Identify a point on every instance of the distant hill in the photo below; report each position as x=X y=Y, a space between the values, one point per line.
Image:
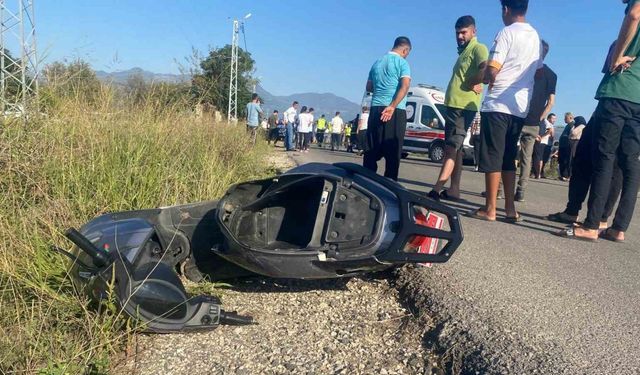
x=326 y=103
x=120 y=77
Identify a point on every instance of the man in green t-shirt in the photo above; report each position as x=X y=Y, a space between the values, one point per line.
x=616 y=124
x=463 y=102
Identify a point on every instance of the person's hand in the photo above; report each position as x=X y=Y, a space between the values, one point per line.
x=478 y=88
x=622 y=64
x=387 y=113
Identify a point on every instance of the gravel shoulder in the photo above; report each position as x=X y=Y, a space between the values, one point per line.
x=350 y=326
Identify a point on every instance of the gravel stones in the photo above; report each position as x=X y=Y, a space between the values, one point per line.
x=346 y=326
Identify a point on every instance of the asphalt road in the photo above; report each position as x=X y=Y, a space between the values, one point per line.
x=515 y=298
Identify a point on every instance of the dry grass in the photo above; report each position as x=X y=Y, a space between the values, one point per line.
x=82 y=159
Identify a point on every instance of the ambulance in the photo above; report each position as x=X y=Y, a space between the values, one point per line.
x=425 y=123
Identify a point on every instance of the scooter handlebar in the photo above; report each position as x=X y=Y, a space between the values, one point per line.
x=100 y=259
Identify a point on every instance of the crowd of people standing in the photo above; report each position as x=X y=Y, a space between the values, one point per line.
x=600 y=158
x=299 y=129
x=512 y=126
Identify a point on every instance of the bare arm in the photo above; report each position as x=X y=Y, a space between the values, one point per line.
x=575 y=132
x=550 y=103
x=490 y=74
x=369 y=87
x=387 y=113
x=405 y=83
x=627 y=32
x=477 y=79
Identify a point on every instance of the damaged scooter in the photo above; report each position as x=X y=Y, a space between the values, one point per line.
x=315 y=221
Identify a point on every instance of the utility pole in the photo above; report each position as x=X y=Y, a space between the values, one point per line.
x=233 y=76
x=18 y=75
x=232 y=112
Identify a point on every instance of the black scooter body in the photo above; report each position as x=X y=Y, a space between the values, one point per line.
x=315 y=221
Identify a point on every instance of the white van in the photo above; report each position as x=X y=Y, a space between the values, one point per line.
x=425 y=123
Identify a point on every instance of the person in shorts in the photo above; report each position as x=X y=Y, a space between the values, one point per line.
x=462 y=100
x=515 y=57
x=540 y=151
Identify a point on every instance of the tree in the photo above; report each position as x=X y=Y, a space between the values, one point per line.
x=211 y=84
x=70 y=80
x=136 y=88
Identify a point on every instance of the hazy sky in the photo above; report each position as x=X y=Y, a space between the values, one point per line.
x=323 y=46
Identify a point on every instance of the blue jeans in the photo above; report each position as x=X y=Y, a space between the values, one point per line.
x=288 y=139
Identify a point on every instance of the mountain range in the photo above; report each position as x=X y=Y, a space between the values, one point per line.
x=323 y=103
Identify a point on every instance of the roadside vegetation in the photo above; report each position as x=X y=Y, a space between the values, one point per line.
x=94 y=148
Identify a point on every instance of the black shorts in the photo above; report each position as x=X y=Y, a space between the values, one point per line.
x=499 y=134
x=457 y=123
x=538 y=152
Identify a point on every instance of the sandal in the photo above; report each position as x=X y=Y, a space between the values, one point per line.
x=513 y=220
x=561 y=217
x=570 y=233
x=475 y=215
x=605 y=235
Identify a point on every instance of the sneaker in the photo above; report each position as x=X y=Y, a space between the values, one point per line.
x=434 y=195
x=519 y=196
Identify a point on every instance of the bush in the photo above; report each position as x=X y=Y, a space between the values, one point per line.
x=84 y=158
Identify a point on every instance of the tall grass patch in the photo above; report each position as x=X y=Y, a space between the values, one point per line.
x=83 y=157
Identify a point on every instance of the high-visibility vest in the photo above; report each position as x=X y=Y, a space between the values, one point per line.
x=322 y=123
x=347 y=130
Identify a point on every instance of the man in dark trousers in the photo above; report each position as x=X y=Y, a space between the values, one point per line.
x=542 y=101
x=616 y=124
x=272 y=128
x=389 y=81
x=581 y=180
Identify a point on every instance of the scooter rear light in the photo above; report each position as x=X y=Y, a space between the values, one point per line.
x=421 y=244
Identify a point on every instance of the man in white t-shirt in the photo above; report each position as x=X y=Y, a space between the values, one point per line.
x=290 y=117
x=305 y=128
x=362 y=130
x=542 y=142
x=337 y=126
x=515 y=57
